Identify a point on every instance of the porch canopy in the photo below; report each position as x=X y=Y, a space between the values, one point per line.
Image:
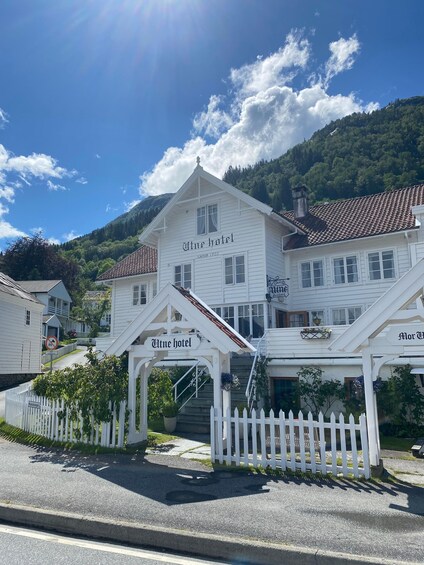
x=175 y=326
x=392 y=329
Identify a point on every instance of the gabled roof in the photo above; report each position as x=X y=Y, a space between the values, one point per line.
x=13 y=288
x=39 y=286
x=364 y=216
x=221 y=335
x=199 y=173
x=140 y=262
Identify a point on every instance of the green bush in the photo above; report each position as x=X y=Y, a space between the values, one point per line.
x=160 y=393
x=87 y=389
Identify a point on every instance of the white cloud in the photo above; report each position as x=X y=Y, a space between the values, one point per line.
x=3 y=118
x=82 y=180
x=70 y=235
x=214 y=121
x=97 y=156
x=55 y=187
x=19 y=170
x=342 y=57
x=53 y=241
x=129 y=205
x=261 y=116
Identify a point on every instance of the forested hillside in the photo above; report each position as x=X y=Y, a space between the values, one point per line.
x=357 y=155
x=102 y=248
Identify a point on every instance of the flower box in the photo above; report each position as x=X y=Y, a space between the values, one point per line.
x=315 y=333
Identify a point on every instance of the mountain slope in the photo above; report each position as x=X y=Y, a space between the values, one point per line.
x=357 y=155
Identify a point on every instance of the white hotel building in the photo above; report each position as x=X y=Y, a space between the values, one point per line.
x=274 y=274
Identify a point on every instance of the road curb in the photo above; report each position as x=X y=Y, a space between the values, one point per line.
x=174 y=540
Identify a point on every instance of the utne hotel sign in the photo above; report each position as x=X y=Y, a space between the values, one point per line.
x=172 y=342
x=211 y=242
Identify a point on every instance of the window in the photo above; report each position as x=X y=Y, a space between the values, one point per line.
x=316 y=318
x=207 y=219
x=228 y=315
x=235 y=270
x=344 y=316
x=381 y=265
x=312 y=274
x=250 y=318
x=139 y=294
x=345 y=270
x=258 y=321
x=28 y=317
x=297 y=319
x=244 y=320
x=182 y=275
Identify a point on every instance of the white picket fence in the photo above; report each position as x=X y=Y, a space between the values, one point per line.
x=50 y=419
x=288 y=443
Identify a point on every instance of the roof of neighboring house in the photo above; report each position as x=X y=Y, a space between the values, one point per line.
x=51 y=317
x=364 y=216
x=213 y=317
x=140 y=262
x=9 y=286
x=39 y=286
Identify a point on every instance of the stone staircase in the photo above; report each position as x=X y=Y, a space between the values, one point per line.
x=195 y=416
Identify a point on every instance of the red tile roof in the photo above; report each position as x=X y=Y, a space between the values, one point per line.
x=376 y=214
x=213 y=317
x=141 y=262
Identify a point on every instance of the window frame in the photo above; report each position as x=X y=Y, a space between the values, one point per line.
x=206 y=208
x=183 y=276
x=344 y=258
x=136 y=294
x=380 y=263
x=311 y=262
x=346 y=313
x=234 y=266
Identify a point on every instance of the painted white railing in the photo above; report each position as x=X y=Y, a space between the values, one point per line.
x=189 y=382
x=251 y=383
x=50 y=419
x=288 y=443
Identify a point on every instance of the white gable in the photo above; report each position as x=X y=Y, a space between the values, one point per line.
x=159 y=317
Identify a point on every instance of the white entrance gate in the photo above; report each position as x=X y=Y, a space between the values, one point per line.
x=175 y=326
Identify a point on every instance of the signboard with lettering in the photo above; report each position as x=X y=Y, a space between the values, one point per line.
x=277 y=286
x=211 y=242
x=172 y=342
x=406 y=335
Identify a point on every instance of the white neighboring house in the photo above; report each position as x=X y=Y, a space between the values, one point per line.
x=273 y=274
x=20 y=333
x=93 y=298
x=57 y=305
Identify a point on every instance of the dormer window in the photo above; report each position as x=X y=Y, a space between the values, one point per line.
x=207 y=219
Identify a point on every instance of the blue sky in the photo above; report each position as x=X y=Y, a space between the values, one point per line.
x=105 y=101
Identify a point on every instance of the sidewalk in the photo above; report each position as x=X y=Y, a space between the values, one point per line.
x=177 y=503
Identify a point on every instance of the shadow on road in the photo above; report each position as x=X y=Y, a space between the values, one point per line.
x=172 y=480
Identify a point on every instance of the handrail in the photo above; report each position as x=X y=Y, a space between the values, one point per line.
x=190 y=384
x=176 y=396
x=251 y=383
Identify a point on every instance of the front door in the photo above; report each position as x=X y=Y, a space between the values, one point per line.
x=285 y=395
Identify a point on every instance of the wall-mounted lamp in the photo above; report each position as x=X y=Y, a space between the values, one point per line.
x=268 y=297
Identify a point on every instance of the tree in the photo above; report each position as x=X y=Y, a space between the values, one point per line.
x=34 y=258
x=317 y=394
x=92 y=311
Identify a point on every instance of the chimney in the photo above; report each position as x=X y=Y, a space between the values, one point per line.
x=300 y=201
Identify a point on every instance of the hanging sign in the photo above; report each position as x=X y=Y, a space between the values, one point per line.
x=406 y=335
x=172 y=342
x=276 y=286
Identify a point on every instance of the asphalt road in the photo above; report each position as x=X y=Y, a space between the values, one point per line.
x=39 y=548
x=365 y=518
